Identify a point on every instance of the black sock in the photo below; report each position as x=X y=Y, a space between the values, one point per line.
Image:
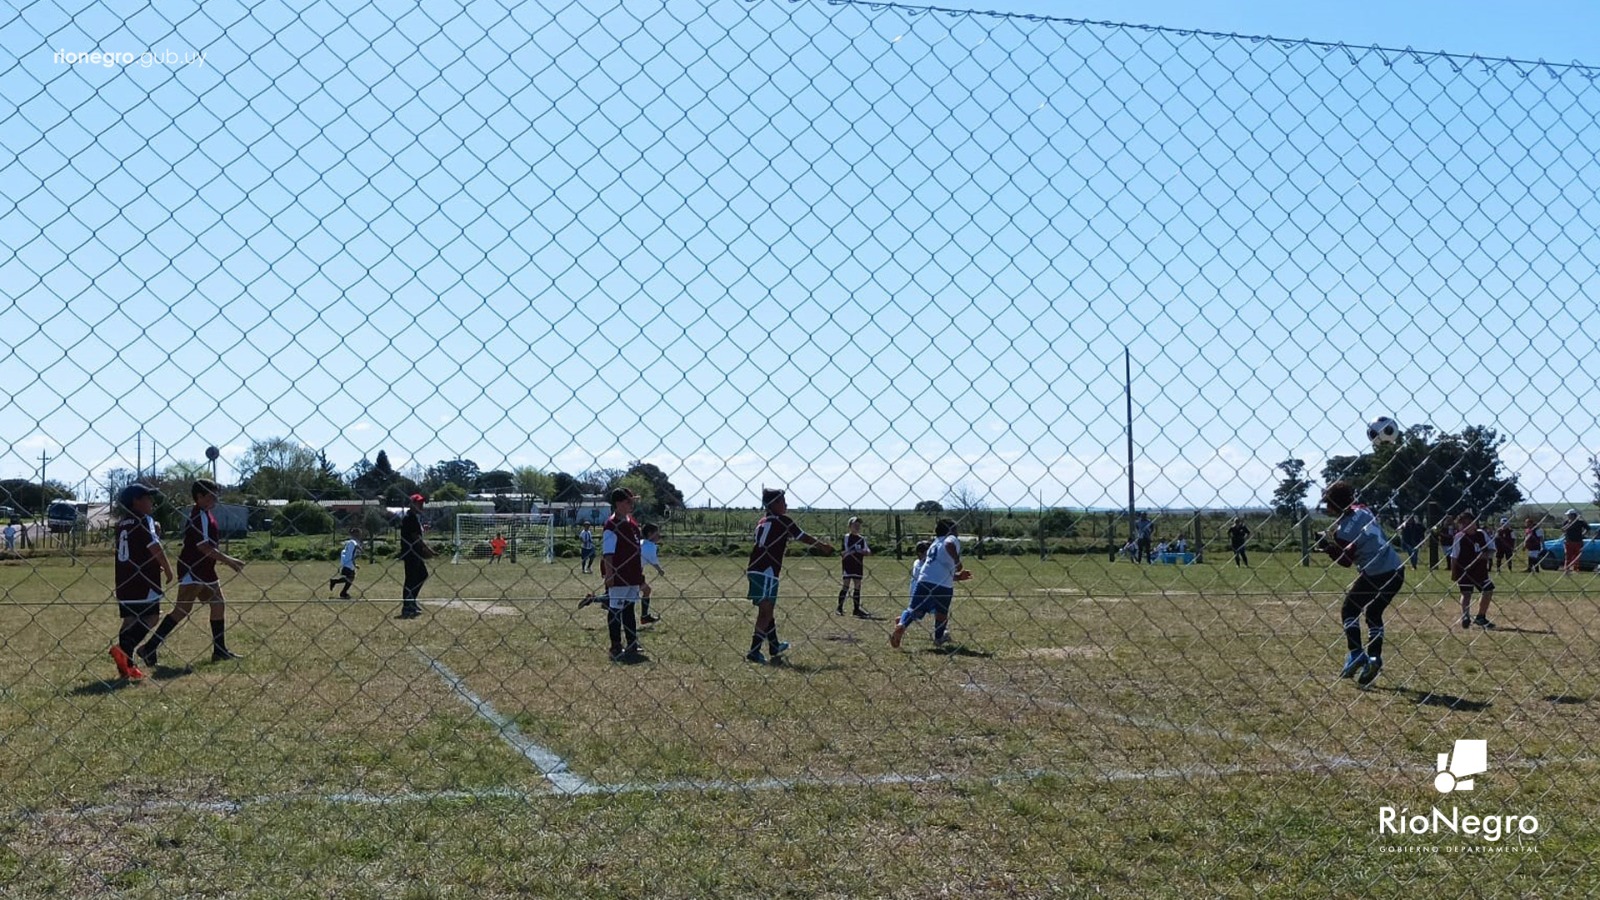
x=630 y=625
x=218 y=642
x=162 y=630
x=132 y=633
x=855 y=599
x=842 y=592
x=644 y=607
x=755 y=642
x=772 y=638
x=614 y=626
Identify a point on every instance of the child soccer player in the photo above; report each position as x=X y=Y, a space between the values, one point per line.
x=773 y=534
x=622 y=567
x=497 y=548
x=853 y=564
x=650 y=554
x=1505 y=545
x=936 y=585
x=1471 y=570
x=197 y=575
x=1533 y=542
x=586 y=549
x=347 y=564
x=1357 y=539
x=141 y=562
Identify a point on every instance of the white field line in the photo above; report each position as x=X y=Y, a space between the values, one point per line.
x=550 y=765
x=714 y=786
x=1332 y=760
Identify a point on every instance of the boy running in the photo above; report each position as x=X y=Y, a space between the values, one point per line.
x=347 y=565
x=773 y=534
x=586 y=549
x=650 y=555
x=1357 y=539
x=853 y=564
x=497 y=548
x=197 y=575
x=1471 y=571
x=141 y=562
x=622 y=568
x=936 y=585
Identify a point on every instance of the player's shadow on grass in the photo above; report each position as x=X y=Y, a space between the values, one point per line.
x=801 y=668
x=959 y=650
x=1565 y=699
x=99 y=688
x=1446 y=701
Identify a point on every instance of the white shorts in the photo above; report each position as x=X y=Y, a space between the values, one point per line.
x=618 y=597
x=190 y=579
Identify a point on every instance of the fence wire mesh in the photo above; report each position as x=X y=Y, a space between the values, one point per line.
x=1116 y=303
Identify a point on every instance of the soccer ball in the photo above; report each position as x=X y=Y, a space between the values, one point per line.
x=1383 y=430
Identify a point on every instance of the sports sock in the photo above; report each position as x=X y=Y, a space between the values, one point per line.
x=614 y=627
x=218 y=640
x=630 y=625
x=1352 y=634
x=755 y=642
x=644 y=607
x=132 y=633
x=855 y=598
x=940 y=628
x=772 y=638
x=1375 y=642
x=162 y=630
x=842 y=592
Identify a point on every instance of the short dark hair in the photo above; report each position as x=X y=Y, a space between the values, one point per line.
x=922 y=547
x=204 y=486
x=620 y=494
x=651 y=528
x=770 y=496
x=944 y=527
x=1340 y=494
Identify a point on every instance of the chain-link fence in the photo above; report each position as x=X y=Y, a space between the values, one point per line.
x=1115 y=304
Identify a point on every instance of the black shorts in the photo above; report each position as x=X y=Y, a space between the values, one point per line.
x=1468 y=584
x=347 y=572
x=857 y=572
x=133 y=609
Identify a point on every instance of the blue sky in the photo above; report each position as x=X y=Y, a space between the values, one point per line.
x=863 y=252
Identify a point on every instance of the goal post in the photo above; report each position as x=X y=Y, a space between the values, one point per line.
x=524 y=533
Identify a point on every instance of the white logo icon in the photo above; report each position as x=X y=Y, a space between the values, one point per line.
x=1470 y=758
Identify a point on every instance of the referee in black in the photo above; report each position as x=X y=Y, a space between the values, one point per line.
x=413 y=551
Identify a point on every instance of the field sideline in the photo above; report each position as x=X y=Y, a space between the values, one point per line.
x=1098 y=727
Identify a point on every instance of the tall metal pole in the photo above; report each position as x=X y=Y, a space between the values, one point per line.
x=1127 y=384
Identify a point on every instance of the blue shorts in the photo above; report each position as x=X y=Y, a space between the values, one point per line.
x=763 y=587
x=927 y=597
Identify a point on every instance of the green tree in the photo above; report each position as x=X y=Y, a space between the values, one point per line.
x=1289 y=500
x=449 y=492
x=449 y=471
x=1427 y=468
x=532 y=481
x=302 y=517
x=928 y=506
x=30 y=498
x=496 y=481
x=665 y=496
x=280 y=469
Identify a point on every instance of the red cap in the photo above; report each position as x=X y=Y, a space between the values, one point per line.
x=418 y=498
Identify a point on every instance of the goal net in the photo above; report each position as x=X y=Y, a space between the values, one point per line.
x=525 y=534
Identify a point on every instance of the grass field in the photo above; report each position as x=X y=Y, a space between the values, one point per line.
x=1099 y=729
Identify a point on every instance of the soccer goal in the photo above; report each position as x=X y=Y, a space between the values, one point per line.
x=523 y=533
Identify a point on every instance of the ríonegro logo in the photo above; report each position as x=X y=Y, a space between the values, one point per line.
x=1455 y=771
